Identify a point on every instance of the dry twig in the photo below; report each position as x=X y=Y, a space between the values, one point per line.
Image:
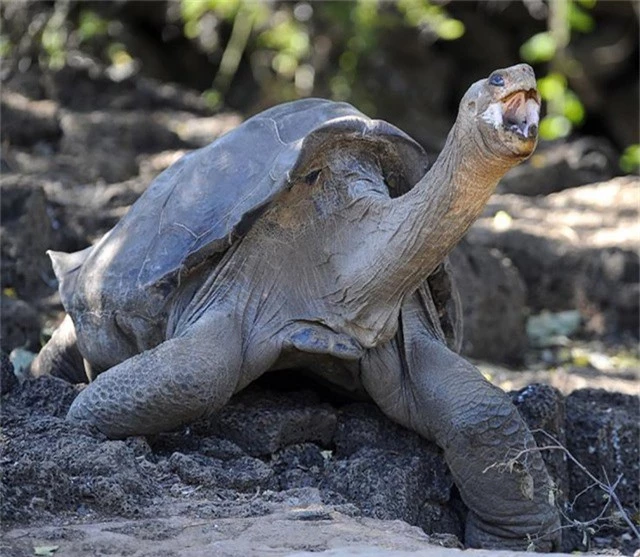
x=606 y=486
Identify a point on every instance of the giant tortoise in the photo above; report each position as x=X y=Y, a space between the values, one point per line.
x=312 y=237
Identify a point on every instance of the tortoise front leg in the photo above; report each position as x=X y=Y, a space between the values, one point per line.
x=60 y=357
x=418 y=382
x=180 y=380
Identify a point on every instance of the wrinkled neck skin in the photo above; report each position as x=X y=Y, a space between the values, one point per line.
x=433 y=217
x=416 y=231
x=345 y=256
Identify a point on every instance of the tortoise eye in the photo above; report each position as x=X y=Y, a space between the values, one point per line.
x=497 y=80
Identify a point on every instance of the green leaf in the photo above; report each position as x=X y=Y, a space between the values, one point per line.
x=552 y=86
x=192 y=29
x=366 y=13
x=289 y=36
x=5 y=46
x=340 y=88
x=53 y=39
x=580 y=20
x=213 y=98
x=630 y=159
x=285 y=64
x=539 y=48
x=417 y=12
x=554 y=127
x=10 y=292
x=226 y=8
x=118 y=54
x=573 y=108
x=348 y=61
x=192 y=10
x=450 y=29
x=91 y=25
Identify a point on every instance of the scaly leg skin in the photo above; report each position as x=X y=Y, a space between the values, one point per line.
x=180 y=380
x=418 y=382
x=60 y=356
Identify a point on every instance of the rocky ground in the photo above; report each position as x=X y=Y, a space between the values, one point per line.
x=549 y=277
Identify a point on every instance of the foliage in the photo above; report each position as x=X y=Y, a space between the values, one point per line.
x=287 y=45
x=283 y=35
x=418 y=13
x=564 y=108
x=630 y=160
x=277 y=37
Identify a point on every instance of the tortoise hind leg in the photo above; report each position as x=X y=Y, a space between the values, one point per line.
x=420 y=383
x=180 y=380
x=60 y=357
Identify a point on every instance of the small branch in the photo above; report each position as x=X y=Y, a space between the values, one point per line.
x=240 y=33
x=585 y=490
x=607 y=487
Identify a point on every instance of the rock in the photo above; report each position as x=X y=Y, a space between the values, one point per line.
x=607 y=289
x=363 y=425
x=388 y=484
x=219 y=448
x=121 y=134
x=369 y=465
x=389 y=471
x=195 y=439
x=559 y=165
x=8 y=380
x=444 y=522
x=244 y=473
x=45 y=395
x=551 y=329
x=26 y=233
x=262 y=423
x=603 y=434
x=543 y=408
x=299 y=466
x=20 y=325
x=493 y=299
x=56 y=467
x=83 y=85
x=26 y=122
x=277 y=533
x=21 y=360
x=575 y=249
x=27 y=83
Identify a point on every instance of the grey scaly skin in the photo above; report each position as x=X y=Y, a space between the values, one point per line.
x=312 y=236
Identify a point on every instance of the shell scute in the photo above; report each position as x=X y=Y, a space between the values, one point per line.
x=200 y=205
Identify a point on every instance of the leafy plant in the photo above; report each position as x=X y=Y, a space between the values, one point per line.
x=423 y=13
x=630 y=159
x=564 y=108
x=278 y=39
x=288 y=44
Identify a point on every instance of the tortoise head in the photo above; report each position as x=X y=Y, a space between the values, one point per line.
x=503 y=111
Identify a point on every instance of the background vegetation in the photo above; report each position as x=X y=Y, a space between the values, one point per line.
x=411 y=56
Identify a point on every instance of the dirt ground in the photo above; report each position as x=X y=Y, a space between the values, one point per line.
x=295 y=532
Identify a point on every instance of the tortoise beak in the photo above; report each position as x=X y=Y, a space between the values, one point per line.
x=521 y=113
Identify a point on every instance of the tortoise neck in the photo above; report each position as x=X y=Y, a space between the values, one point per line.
x=431 y=219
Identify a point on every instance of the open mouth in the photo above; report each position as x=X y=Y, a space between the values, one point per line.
x=521 y=113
